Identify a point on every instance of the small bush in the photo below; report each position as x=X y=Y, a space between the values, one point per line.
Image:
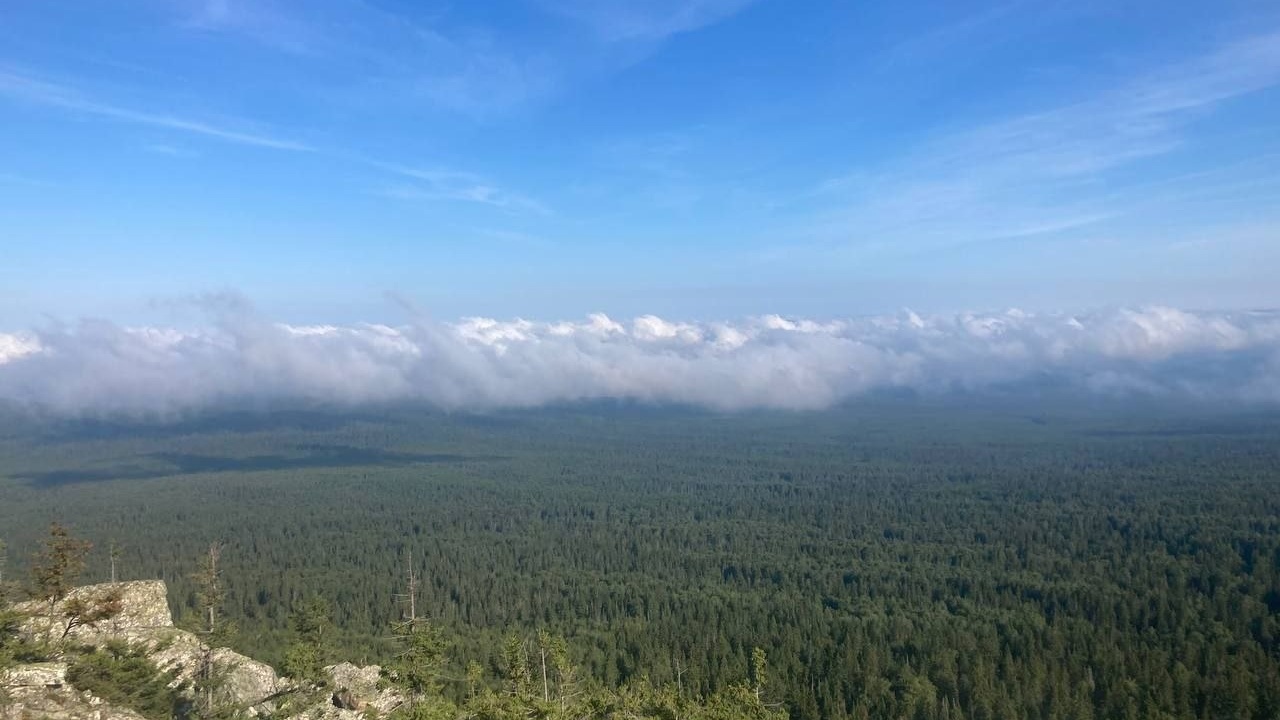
x=123 y=676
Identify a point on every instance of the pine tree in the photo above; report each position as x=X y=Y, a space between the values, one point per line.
x=421 y=657
x=57 y=565
x=54 y=572
x=475 y=679
x=306 y=656
x=516 y=664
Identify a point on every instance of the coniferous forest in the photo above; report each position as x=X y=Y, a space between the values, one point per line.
x=896 y=558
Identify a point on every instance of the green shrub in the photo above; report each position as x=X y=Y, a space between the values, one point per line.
x=124 y=676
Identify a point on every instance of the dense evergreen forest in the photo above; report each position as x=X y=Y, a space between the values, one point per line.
x=898 y=558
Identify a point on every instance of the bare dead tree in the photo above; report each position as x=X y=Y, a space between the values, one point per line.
x=410 y=597
x=210 y=595
x=113 y=551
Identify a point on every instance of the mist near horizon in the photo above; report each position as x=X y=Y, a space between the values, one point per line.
x=238 y=357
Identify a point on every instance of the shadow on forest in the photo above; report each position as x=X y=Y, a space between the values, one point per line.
x=238 y=421
x=326 y=456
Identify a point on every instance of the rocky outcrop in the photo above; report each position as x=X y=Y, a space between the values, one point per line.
x=245 y=682
x=144 y=604
x=144 y=607
x=37 y=675
x=40 y=690
x=356 y=691
x=144 y=621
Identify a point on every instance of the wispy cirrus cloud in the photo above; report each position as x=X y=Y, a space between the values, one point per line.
x=370 y=56
x=435 y=184
x=27 y=88
x=441 y=184
x=7 y=178
x=174 y=151
x=264 y=21
x=473 y=73
x=480 y=72
x=373 y=55
x=927 y=45
x=1044 y=171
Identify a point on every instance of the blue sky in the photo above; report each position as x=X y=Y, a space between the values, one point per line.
x=721 y=158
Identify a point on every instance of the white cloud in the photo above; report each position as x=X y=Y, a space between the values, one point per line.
x=770 y=362
x=653 y=328
x=15 y=346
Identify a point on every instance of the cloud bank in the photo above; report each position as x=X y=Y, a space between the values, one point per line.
x=99 y=367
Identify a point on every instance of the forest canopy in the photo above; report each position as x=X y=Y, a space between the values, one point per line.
x=898 y=558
